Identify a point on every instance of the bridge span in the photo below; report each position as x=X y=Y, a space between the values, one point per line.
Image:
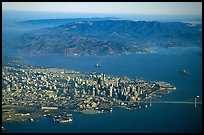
x=194 y=101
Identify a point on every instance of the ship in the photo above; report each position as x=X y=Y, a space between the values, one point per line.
x=31 y=119
x=184 y=72
x=97 y=65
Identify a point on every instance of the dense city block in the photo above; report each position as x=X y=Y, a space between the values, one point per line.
x=30 y=92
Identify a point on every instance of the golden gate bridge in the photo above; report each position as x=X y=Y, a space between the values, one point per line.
x=41 y=54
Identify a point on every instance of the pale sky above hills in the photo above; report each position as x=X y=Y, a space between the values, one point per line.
x=163 y=8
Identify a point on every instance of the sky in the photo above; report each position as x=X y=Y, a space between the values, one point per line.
x=160 y=8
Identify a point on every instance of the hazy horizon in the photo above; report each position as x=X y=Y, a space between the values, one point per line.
x=10 y=16
x=153 y=8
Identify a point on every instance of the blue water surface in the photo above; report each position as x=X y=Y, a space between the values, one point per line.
x=164 y=65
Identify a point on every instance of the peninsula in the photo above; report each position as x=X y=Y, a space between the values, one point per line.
x=33 y=92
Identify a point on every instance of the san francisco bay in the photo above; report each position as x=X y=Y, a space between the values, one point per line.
x=164 y=65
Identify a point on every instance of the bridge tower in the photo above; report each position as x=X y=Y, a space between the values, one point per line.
x=150 y=101
x=195 y=102
x=195 y=99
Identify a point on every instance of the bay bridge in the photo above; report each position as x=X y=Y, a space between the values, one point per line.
x=153 y=100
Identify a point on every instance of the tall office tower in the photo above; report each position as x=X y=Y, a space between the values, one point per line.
x=89 y=92
x=17 y=89
x=98 y=92
x=111 y=91
x=75 y=84
x=141 y=91
x=75 y=92
x=99 y=86
x=133 y=99
x=79 y=81
x=104 y=93
x=138 y=89
x=83 y=92
x=42 y=78
x=133 y=89
x=117 y=82
x=99 y=80
x=114 y=90
x=94 y=93
x=136 y=94
x=128 y=89
x=104 y=77
x=122 y=92
x=46 y=84
x=87 y=82
x=75 y=78
x=8 y=88
x=116 y=95
x=64 y=91
x=68 y=78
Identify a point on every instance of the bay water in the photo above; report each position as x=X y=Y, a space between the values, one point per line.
x=164 y=65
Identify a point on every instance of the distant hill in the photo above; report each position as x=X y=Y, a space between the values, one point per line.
x=56 y=22
x=108 y=37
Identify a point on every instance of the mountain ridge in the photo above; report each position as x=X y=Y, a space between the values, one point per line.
x=110 y=37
